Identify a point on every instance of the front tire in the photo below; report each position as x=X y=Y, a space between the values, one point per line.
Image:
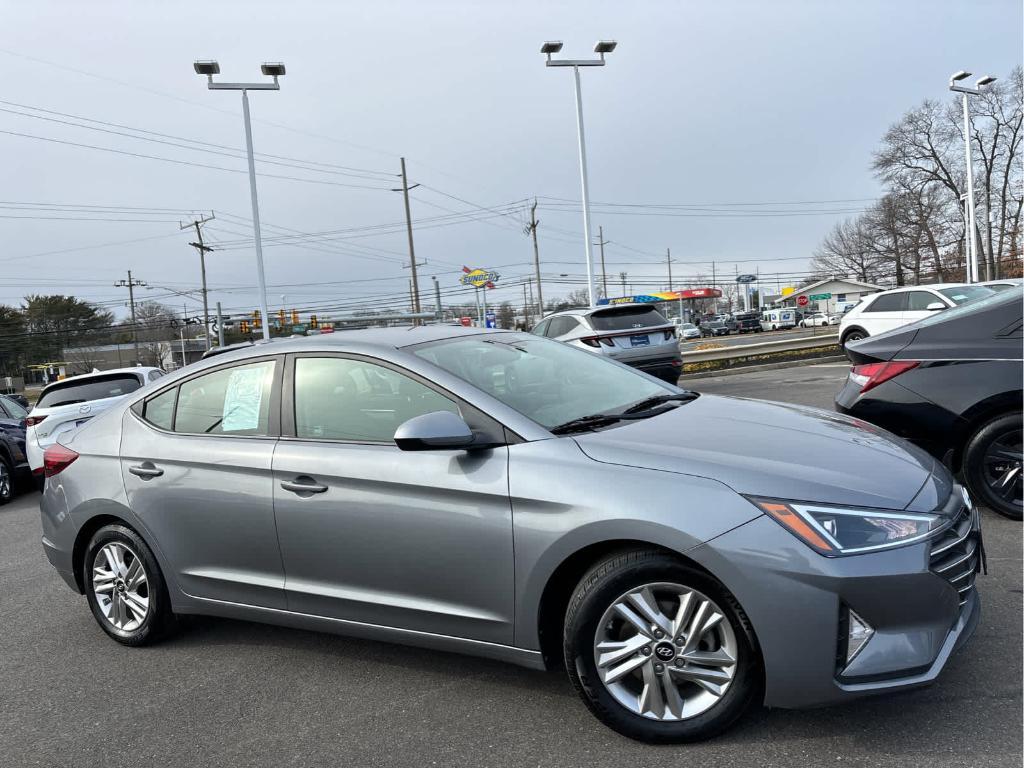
x=657 y=650
x=992 y=465
x=125 y=588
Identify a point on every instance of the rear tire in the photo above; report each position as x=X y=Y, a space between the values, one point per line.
x=992 y=465
x=125 y=588
x=6 y=481
x=640 y=703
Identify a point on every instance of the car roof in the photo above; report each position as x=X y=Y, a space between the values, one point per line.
x=931 y=286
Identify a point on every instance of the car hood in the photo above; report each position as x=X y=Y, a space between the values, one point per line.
x=764 y=448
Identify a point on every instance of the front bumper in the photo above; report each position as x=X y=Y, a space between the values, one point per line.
x=795 y=600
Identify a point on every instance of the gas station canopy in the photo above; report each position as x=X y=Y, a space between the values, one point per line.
x=649 y=298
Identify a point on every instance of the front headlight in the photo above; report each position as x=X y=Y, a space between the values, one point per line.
x=836 y=531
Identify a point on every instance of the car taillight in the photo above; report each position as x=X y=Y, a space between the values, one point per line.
x=56 y=459
x=871 y=375
x=597 y=341
x=31 y=421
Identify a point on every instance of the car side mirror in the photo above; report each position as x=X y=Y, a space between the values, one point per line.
x=935 y=306
x=436 y=431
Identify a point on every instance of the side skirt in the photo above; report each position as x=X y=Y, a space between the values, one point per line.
x=507 y=653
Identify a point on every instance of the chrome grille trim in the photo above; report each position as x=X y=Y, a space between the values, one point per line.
x=955 y=552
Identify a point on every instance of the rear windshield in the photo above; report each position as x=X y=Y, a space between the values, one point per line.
x=93 y=388
x=626 y=318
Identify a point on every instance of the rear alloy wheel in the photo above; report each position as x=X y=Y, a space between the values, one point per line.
x=125 y=588
x=657 y=650
x=6 y=481
x=993 y=465
x=854 y=336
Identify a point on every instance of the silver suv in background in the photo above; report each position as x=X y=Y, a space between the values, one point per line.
x=634 y=334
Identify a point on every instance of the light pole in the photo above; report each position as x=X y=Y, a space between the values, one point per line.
x=601 y=48
x=274 y=70
x=954 y=85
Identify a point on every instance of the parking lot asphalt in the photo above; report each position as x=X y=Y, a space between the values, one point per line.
x=228 y=693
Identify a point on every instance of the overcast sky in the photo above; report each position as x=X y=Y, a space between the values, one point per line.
x=707 y=104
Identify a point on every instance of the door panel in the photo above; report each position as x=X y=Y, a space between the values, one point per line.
x=415 y=540
x=211 y=510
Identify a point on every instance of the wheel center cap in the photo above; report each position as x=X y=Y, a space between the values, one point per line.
x=665 y=651
x=120 y=586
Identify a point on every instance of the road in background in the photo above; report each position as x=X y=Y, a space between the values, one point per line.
x=756 y=338
x=229 y=693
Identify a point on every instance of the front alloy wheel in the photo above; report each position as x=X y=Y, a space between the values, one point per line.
x=665 y=652
x=659 y=650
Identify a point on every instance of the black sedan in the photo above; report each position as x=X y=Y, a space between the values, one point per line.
x=951 y=383
x=714 y=328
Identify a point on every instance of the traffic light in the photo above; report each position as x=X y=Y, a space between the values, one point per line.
x=295 y=317
x=313 y=322
x=280 y=318
x=243 y=326
x=257 y=319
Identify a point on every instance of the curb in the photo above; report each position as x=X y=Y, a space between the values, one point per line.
x=763 y=367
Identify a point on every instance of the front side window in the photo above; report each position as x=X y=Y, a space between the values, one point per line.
x=548 y=382
x=231 y=401
x=918 y=301
x=14 y=409
x=354 y=400
x=888 y=302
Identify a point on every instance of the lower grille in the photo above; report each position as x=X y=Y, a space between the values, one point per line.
x=956 y=554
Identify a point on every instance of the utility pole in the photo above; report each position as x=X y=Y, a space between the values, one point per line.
x=529 y=290
x=437 y=299
x=526 y=309
x=203 y=250
x=412 y=251
x=668 y=260
x=220 y=326
x=130 y=284
x=622 y=277
x=531 y=229
x=601 y=242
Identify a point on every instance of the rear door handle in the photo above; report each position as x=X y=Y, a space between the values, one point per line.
x=303 y=485
x=146 y=470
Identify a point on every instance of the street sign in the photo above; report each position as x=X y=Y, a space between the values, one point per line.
x=490 y=320
x=466 y=321
x=802 y=301
x=820 y=296
x=746 y=278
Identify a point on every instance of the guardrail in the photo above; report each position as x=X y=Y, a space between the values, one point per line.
x=738 y=352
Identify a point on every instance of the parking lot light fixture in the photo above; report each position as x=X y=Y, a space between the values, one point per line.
x=273 y=70
x=601 y=48
x=965 y=91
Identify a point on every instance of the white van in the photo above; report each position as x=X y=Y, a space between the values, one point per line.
x=778 y=319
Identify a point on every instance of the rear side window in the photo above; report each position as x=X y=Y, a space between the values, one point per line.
x=93 y=388
x=888 y=302
x=154 y=375
x=561 y=325
x=542 y=328
x=626 y=319
x=159 y=410
x=14 y=410
x=231 y=401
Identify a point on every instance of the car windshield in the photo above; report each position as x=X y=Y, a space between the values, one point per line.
x=965 y=310
x=962 y=294
x=546 y=381
x=688 y=326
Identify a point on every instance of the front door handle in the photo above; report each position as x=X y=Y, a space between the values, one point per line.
x=146 y=470
x=303 y=485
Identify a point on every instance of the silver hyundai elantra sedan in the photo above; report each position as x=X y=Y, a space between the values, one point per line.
x=679 y=555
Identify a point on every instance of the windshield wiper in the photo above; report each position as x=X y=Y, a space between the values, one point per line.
x=643 y=405
x=585 y=422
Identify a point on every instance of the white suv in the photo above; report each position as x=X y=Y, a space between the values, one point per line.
x=66 y=405
x=881 y=312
